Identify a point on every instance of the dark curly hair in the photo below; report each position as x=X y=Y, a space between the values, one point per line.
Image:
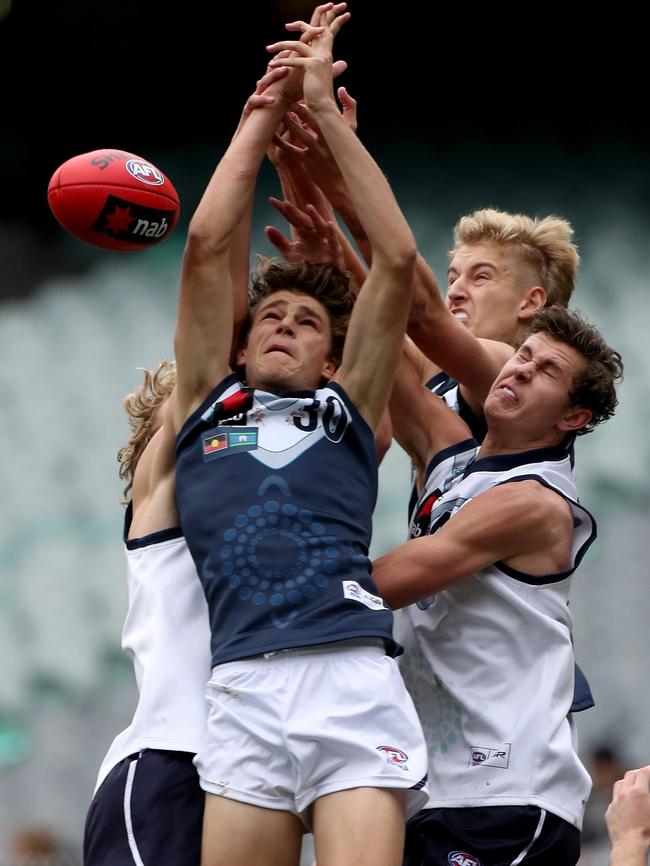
x=325 y=283
x=595 y=388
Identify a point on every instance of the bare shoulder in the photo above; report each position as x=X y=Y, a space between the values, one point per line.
x=154 y=503
x=529 y=500
x=500 y=352
x=526 y=525
x=527 y=512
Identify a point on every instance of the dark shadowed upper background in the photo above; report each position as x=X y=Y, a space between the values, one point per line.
x=150 y=77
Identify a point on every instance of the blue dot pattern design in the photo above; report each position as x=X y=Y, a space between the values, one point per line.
x=309 y=557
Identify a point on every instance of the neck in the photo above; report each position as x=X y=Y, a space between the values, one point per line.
x=503 y=442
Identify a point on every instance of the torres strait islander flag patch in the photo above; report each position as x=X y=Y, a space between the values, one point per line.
x=228 y=440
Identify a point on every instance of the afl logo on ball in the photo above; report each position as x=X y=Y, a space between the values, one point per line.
x=144 y=172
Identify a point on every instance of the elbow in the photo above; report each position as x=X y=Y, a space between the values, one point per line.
x=404 y=257
x=203 y=242
x=398 y=260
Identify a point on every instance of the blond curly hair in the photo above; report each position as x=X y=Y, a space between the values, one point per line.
x=141 y=406
x=544 y=244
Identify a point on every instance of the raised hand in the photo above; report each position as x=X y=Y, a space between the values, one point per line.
x=260 y=99
x=304 y=141
x=313 y=53
x=315 y=238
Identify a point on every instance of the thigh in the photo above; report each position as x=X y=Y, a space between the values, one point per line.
x=240 y=834
x=244 y=755
x=352 y=724
x=364 y=826
x=148 y=811
x=490 y=836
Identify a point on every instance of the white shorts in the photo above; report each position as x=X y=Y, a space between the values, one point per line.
x=289 y=727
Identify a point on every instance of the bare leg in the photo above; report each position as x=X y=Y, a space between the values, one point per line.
x=238 y=834
x=360 y=827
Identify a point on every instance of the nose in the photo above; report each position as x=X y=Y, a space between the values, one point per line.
x=524 y=370
x=457 y=291
x=286 y=326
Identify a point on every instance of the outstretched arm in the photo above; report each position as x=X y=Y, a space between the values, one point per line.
x=523 y=524
x=206 y=306
x=302 y=159
x=240 y=245
x=379 y=317
x=444 y=342
x=423 y=424
x=312 y=155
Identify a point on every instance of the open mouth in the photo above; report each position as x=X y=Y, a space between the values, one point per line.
x=460 y=314
x=277 y=348
x=509 y=393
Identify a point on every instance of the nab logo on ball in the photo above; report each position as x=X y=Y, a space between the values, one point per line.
x=145 y=172
x=126 y=221
x=113 y=200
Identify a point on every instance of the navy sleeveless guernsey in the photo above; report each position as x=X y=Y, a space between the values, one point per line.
x=276 y=495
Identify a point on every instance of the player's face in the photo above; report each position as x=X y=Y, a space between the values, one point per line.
x=530 y=398
x=288 y=346
x=483 y=291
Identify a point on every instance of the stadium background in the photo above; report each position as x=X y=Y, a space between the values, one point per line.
x=462 y=109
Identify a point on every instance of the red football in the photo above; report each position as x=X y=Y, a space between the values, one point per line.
x=113 y=200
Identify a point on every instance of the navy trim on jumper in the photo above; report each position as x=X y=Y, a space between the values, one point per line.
x=436 y=380
x=504 y=462
x=542 y=579
x=147 y=540
x=449 y=451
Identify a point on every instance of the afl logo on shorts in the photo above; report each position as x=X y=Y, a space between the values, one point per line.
x=460 y=858
x=478 y=757
x=144 y=172
x=394 y=757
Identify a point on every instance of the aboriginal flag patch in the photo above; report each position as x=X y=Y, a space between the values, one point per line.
x=228 y=440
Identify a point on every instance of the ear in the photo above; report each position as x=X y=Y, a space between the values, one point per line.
x=532 y=301
x=240 y=357
x=329 y=368
x=574 y=419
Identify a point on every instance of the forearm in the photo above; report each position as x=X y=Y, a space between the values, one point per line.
x=402 y=575
x=630 y=851
x=448 y=343
x=232 y=185
x=378 y=212
x=210 y=299
x=428 y=303
x=340 y=200
x=353 y=264
x=239 y=270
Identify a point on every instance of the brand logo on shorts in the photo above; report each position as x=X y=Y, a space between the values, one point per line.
x=394 y=757
x=497 y=756
x=460 y=858
x=145 y=172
